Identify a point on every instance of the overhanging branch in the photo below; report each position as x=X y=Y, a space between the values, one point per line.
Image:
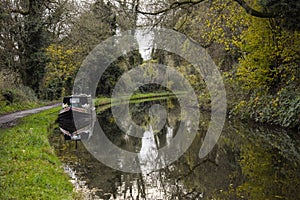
x=22 y=12
x=172 y=6
x=253 y=12
x=242 y=3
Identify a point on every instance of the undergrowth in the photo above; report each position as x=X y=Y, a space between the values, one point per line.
x=18 y=98
x=282 y=108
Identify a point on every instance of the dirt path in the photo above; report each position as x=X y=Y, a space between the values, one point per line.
x=10 y=119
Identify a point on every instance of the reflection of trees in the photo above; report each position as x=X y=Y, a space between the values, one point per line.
x=246 y=164
x=268 y=170
x=252 y=164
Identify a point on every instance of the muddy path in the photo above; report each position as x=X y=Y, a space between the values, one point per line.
x=10 y=120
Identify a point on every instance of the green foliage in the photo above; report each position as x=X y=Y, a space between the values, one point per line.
x=282 y=109
x=9 y=79
x=29 y=166
x=95 y=23
x=267 y=74
x=265 y=60
x=115 y=70
x=270 y=55
x=13 y=95
x=60 y=72
x=35 y=38
x=17 y=98
x=103 y=103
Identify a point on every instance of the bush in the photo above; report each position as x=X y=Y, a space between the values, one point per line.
x=282 y=108
x=18 y=95
x=17 y=98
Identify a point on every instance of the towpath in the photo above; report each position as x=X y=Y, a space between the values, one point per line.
x=9 y=120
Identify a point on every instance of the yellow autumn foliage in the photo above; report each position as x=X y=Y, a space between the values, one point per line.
x=60 y=71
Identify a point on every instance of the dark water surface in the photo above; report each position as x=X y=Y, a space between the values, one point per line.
x=248 y=162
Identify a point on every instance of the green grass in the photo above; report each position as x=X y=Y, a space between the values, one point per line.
x=26 y=105
x=9 y=108
x=29 y=168
x=104 y=103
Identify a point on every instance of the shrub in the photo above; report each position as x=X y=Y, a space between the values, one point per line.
x=282 y=108
x=17 y=98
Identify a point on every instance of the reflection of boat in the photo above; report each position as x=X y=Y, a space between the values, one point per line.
x=76 y=116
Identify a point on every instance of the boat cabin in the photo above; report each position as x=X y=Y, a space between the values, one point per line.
x=79 y=101
x=79 y=108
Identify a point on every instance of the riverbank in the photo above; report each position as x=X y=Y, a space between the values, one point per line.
x=103 y=103
x=29 y=167
x=279 y=109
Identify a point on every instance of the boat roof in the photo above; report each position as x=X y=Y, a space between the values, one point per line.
x=78 y=95
x=83 y=98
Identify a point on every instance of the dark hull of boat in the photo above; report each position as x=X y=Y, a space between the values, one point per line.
x=66 y=119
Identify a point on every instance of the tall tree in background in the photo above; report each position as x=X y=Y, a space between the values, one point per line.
x=93 y=24
x=27 y=28
x=35 y=38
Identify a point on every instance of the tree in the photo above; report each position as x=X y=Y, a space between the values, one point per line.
x=9 y=28
x=94 y=23
x=27 y=28
x=127 y=16
x=34 y=39
x=59 y=72
x=270 y=56
x=272 y=8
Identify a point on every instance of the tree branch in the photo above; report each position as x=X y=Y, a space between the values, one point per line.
x=172 y=6
x=242 y=3
x=255 y=13
x=22 y=12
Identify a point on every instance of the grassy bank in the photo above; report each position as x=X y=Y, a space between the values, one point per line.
x=103 y=103
x=16 y=98
x=9 y=108
x=29 y=169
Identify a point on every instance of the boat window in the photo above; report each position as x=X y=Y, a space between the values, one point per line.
x=75 y=102
x=83 y=100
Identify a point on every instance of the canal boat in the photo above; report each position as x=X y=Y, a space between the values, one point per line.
x=76 y=116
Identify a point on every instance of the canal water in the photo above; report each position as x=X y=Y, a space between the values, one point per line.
x=250 y=161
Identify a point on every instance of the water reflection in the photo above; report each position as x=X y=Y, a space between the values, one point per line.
x=249 y=162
